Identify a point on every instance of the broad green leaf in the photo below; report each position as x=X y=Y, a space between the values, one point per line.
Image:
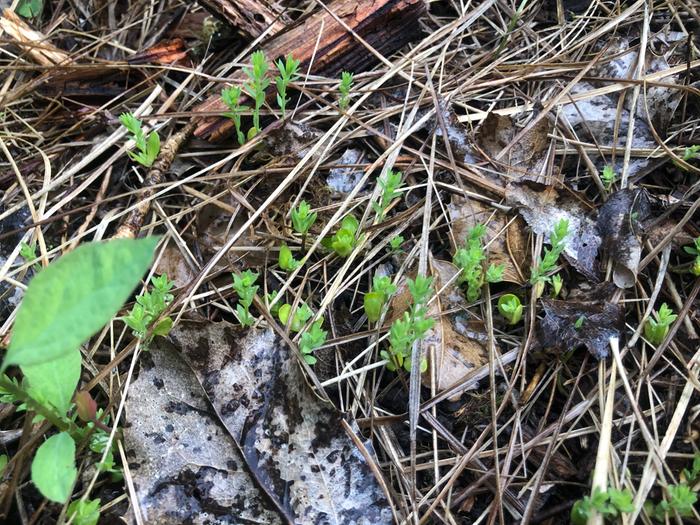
x=84 y=512
x=74 y=297
x=30 y=8
x=53 y=468
x=55 y=380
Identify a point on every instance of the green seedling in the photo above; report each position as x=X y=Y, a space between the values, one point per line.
x=389 y=184
x=64 y=305
x=510 y=308
x=312 y=339
x=681 y=499
x=374 y=300
x=610 y=504
x=579 y=322
x=288 y=73
x=302 y=220
x=692 y=250
x=470 y=259
x=298 y=318
x=546 y=264
x=286 y=260
x=346 y=81
x=28 y=253
x=557 y=283
x=269 y=299
x=29 y=8
x=689 y=154
x=84 y=512
x=148 y=309
x=231 y=96
x=395 y=244
x=692 y=475
x=655 y=330
x=344 y=240
x=257 y=84
x=245 y=288
x=148 y=147
x=410 y=328
x=608 y=177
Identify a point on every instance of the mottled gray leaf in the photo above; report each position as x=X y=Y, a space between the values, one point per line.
x=293 y=442
x=185 y=465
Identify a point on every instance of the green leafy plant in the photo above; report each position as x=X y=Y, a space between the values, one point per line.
x=395 y=244
x=63 y=306
x=30 y=8
x=510 y=307
x=84 y=512
x=148 y=309
x=244 y=285
x=312 y=339
x=655 y=330
x=557 y=283
x=610 y=504
x=288 y=73
x=681 y=499
x=28 y=253
x=286 y=260
x=344 y=240
x=376 y=298
x=389 y=184
x=302 y=220
x=298 y=318
x=257 y=84
x=231 y=96
x=692 y=250
x=346 y=82
x=470 y=259
x=692 y=475
x=148 y=147
x=689 y=154
x=608 y=177
x=269 y=299
x=546 y=264
x=410 y=327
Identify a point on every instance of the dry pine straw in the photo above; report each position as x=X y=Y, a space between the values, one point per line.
x=631 y=418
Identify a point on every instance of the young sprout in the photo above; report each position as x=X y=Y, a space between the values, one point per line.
x=256 y=86
x=231 y=96
x=655 y=331
x=374 y=300
x=395 y=244
x=469 y=260
x=546 y=265
x=692 y=250
x=148 y=147
x=286 y=260
x=608 y=177
x=269 y=298
x=681 y=500
x=302 y=220
x=510 y=308
x=288 y=73
x=343 y=242
x=390 y=184
x=148 y=308
x=610 y=504
x=346 y=81
x=557 y=283
x=301 y=315
x=244 y=286
x=312 y=339
x=409 y=328
x=690 y=153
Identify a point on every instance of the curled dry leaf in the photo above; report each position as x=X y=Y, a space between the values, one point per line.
x=173 y=264
x=619 y=224
x=543 y=206
x=185 y=466
x=590 y=321
x=507 y=242
x=293 y=443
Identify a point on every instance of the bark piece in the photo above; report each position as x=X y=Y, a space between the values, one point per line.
x=250 y=17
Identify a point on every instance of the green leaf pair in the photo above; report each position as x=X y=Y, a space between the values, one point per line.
x=344 y=240
x=148 y=147
x=374 y=300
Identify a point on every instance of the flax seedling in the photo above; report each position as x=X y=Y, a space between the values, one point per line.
x=389 y=184
x=344 y=240
x=148 y=309
x=286 y=260
x=546 y=264
x=346 y=82
x=470 y=260
x=510 y=308
x=257 y=84
x=148 y=147
x=608 y=177
x=692 y=250
x=302 y=220
x=288 y=73
x=231 y=96
x=655 y=330
x=375 y=299
x=245 y=287
x=312 y=339
x=610 y=504
x=410 y=328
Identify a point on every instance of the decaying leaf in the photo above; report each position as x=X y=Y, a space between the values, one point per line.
x=618 y=223
x=527 y=156
x=291 y=138
x=590 y=321
x=543 y=206
x=173 y=264
x=293 y=443
x=185 y=466
x=508 y=247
